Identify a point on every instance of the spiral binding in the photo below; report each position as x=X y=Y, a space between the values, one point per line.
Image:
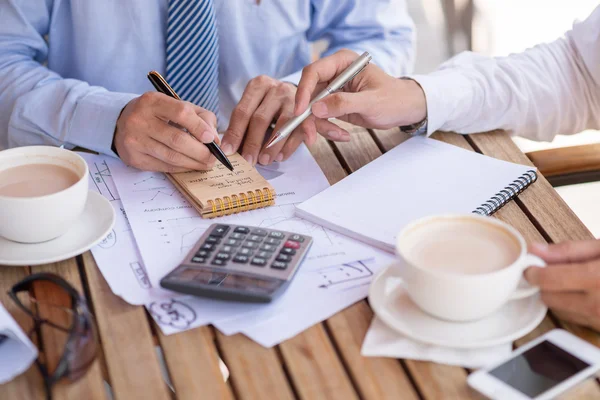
x=251 y=200
x=500 y=199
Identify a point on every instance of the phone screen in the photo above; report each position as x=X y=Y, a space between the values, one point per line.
x=539 y=369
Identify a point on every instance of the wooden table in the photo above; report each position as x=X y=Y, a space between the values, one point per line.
x=323 y=362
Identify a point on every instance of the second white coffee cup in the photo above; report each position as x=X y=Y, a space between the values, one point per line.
x=463 y=267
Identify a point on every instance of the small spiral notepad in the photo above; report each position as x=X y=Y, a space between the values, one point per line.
x=418 y=178
x=220 y=192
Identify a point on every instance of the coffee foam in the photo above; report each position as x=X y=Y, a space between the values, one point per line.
x=463 y=246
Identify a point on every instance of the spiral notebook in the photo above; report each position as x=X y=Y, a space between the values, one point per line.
x=220 y=192
x=420 y=177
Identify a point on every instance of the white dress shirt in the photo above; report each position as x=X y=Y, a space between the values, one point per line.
x=551 y=89
x=68 y=67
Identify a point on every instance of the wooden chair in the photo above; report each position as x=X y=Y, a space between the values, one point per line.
x=568 y=165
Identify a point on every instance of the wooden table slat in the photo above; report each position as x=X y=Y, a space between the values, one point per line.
x=193 y=364
x=133 y=366
x=256 y=372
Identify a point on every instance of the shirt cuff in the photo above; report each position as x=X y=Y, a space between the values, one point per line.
x=95 y=118
x=441 y=95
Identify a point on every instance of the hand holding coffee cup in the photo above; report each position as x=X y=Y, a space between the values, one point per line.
x=43 y=190
x=463 y=267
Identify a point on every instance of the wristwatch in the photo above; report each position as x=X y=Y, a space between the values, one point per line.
x=419 y=128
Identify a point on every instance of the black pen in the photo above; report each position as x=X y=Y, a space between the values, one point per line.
x=162 y=86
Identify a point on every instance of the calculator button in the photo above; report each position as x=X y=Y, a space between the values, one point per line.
x=227 y=249
x=283 y=257
x=220 y=230
x=232 y=242
x=242 y=229
x=276 y=235
x=245 y=252
x=240 y=236
x=268 y=247
x=222 y=256
x=290 y=244
x=259 y=232
x=288 y=251
x=255 y=238
x=261 y=262
x=279 y=265
x=297 y=238
x=240 y=259
x=203 y=253
x=250 y=245
x=213 y=239
x=274 y=242
x=218 y=261
x=199 y=260
x=207 y=246
x=264 y=254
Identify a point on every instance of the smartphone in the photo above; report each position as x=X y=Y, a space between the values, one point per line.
x=542 y=369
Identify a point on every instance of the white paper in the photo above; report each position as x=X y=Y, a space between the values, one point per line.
x=418 y=178
x=17 y=353
x=383 y=341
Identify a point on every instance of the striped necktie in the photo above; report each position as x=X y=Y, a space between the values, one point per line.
x=193 y=52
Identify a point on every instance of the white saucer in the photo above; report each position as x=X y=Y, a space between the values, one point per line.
x=93 y=225
x=391 y=303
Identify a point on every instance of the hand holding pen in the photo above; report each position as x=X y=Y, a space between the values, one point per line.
x=144 y=139
x=372 y=99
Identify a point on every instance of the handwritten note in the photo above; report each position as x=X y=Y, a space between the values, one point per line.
x=203 y=187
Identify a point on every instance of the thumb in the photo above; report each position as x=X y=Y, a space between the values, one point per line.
x=340 y=104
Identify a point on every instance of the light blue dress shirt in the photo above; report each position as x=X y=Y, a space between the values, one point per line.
x=68 y=67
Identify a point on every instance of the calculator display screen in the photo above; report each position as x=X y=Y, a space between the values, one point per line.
x=233 y=281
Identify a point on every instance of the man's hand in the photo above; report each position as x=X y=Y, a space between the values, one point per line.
x=265 y=100
x=144 y=138
x=373 y=99
x=570 y=284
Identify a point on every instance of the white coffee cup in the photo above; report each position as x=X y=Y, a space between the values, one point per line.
x=42 y=218
x=456 y=296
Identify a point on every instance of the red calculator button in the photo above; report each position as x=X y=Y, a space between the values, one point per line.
x=292 y=245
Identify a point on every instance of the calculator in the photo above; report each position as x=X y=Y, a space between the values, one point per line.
x=239 y=263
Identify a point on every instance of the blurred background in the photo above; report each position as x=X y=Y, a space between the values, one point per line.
x=498 y=28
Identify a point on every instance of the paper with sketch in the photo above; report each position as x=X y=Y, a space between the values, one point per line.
x=17 y=353
x=166 y=226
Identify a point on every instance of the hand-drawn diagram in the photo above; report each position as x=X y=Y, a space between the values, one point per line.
x=289 y=222
x=109 y=241
x=269 y=172
x=172 y=312
x=153 y=179
x=341 y=274
x=140 y=273
x=102 y=179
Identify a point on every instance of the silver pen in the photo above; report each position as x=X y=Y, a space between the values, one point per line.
x=346 y=76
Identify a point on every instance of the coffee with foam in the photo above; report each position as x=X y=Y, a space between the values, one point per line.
x=460 y=246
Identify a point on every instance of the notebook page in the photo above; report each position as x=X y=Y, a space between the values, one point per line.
x=219 y=181
x=418 y=178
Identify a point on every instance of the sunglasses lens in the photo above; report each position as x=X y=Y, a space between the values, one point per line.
x=81 y=351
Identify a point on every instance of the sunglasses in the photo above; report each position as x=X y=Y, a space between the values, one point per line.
x=71 y=322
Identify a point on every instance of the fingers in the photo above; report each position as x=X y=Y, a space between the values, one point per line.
x=566 y=277
x=198 y=122
x=331 y=131
x=340 y=104
x=180 y=142
x=252 y=97
x=309 y=126
x=320 y=71
x=259 y=123
x=174 y=158
x=567 y=252
x=291 y=144
x=149 y=163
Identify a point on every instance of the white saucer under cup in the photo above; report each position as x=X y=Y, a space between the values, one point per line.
x=391 y=303
x=94 y=224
